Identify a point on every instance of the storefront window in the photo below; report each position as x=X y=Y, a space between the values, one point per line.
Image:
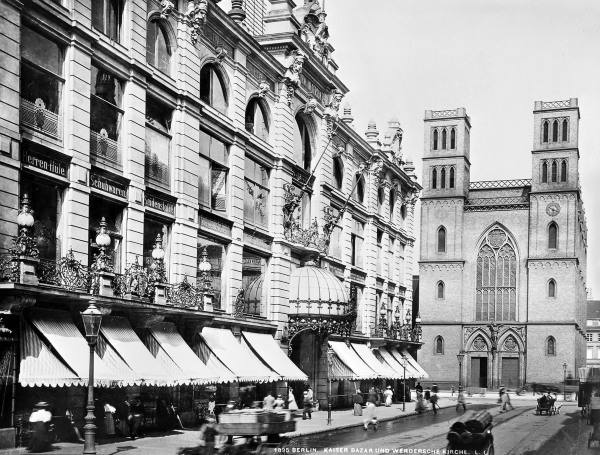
x=216 y=253
x=113 y=215
x=213 y=173
x=256 y=196
x=46 y=203
x=158 y=142
x=153 y=227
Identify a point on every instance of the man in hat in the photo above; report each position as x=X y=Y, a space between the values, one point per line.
x=388 y=394
x=461 y=400
x=40 y=422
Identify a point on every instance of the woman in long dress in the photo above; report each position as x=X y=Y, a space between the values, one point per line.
x=388 y=396
x=109 y=419
x=292 y=405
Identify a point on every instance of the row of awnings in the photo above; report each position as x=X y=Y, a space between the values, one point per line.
x=356 y=361
x=55 y=353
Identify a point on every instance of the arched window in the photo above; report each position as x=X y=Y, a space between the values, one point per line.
x=544 y=171
x=392 y=198
x=553 y=235
x=438 y=345
x=545 y=131
x=434 y=179
x=554 y=172
x=453 y=138
x=440 y=290
x=563 y=171
x=158 y=50
x=496 y=280
x=302 y=143
x=107 y=16
x=550 y=346
x=565 y=130
x=551 y=288
x=257 y=119
x=443 y=178
x=338 y=172
x=380 y=200
x=360 y=189
x=444 y=138
x=435 y=139
x=555 y=131
x=441 y=239
x=212 y=88
x=451 y=184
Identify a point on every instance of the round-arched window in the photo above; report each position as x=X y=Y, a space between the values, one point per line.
x=158 y=50
x=257 y=119
x=360 y=189
x=302 y=145
x=338 y=172
x=213 y=88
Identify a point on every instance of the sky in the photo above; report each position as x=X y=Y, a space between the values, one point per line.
x=493 y=57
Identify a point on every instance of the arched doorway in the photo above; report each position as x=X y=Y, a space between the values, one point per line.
x=305 y=352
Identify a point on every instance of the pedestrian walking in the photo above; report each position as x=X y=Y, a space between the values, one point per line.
x=307 y=405
x=433 y=399
x=269 y=402
x=39 y=421
x=357 y=399
x=370 y=417
x=388 y=394
x=434 y=388
x=461 y=400
x=427 y=394
x=278 y=404
x=109 y=419
x=506 y=402
x=292 y=405
x=420 y=405
x=419 y=387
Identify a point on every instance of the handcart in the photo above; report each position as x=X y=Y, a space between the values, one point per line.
x=472 y=434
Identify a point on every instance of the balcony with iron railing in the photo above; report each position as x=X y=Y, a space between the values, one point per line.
x=36 y=116
x=156 y=171
x=104 y=150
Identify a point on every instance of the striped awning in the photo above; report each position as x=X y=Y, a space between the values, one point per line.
x=58 y=328
x=172 y=343
x=269 y=351
x=392 y=362
x=237 y=356
x=352 y=360
x=338 y=371
x=146 y=369
x=382 y=369
x=411 y=371
x=422 y=373
x=39 y=366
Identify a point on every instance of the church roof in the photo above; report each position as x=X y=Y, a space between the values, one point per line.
x=593 y=309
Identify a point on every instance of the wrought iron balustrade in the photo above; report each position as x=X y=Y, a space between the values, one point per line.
x=36 y=116
x=66 y=272
x=493 y=184
x=497 y=203
x=103 y=149
x=185 y=295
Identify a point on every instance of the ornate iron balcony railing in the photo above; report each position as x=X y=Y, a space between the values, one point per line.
x=36 y=116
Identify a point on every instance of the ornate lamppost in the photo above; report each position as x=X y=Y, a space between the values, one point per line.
x=92 y=318
x=329 y=366
x=418 y=329
x=157 y=271
x=564 y=365
x=382 y=320
x=397 y=325
x=205 y=268
x=103 y=240
x=403 y=363
x=460 y=357
x=24 y=249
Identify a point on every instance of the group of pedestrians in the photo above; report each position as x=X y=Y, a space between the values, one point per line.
x=428 y=395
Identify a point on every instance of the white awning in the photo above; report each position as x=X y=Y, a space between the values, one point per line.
x=338 y=371
x=270 y=352
x=39 y=366
x=177 y=349
x=382 y=369
x=145 y=367
x=352 y=360
x=237 y=356
x=411 y=372
x=395 y=364
x=422 y=373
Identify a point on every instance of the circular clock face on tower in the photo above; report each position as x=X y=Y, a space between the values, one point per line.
x=553 y=209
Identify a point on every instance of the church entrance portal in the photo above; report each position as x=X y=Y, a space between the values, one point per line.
x=510 y=372
x=479 y=371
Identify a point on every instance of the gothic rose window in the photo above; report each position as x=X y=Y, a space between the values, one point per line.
x=496 y=293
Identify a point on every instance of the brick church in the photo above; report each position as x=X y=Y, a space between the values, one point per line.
x=503 y=263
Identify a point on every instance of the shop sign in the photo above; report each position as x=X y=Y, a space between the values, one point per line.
x=108 y=185
x=45 y=163
x=160 y=204
x=357 y=276
x=214 y=225
x=338 y=270
x=391 y=288
x=379 y=284
x=257 y=240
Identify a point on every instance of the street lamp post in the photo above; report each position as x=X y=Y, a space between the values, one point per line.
x=92 y=317
x=460 y=356
x=564 y=365
x=404 y=383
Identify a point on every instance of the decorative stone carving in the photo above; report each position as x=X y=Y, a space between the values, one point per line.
x=196 y=13
x=167 y=8
x=479 y=344
x=510 y=344
x=315 y=31
x=239 y=306
x=291 y=79
x=221 y=54
x=332 y=109
x=311 y=105
x=494 y=332
x=263 y=89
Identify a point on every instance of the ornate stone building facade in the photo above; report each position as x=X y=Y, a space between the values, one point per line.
x=503 y=263
x=212 y=149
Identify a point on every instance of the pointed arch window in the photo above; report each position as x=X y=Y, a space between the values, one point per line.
x=496 y=281
x=563 y=171
x=441 y=240
x=554 y=172
x=555 y=131
x=443 y=178
x=213 y=88
x=550 y=346
x=553 y=236
x=440 y=290
x=545 y=172
x=545 y=131
x=444 y=138
x=435 y=139
x=438 y=345
x=158 y=49
x=451 y=183
x=552 y=288
x=434 y=179
x=453 y=138
x=565 y=130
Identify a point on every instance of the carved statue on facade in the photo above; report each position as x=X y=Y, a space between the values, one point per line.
x=221 y=54
x=332 y=109
x=494 y=331
x=315 y=31
x=196 y=13
x=263 y=89
x=311 y=105
x=239 y=306
x=291 y=79
x=167 y=8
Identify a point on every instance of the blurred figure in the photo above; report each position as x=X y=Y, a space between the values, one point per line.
x=506 y=401
x=433 y=399
x=388 y=394
x=269 y=402
x=109 y=419
x=420 y=405
x=292 y=405
x=39 y=419
x=419 y=387
x=279 y=403
x=357 y=399
x=370 y=417
x=461 y=400
x=306 y=406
